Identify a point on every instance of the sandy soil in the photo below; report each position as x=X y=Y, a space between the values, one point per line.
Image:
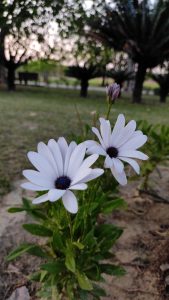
x=142 y=249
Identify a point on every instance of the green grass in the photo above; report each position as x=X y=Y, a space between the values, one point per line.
x=30 y=115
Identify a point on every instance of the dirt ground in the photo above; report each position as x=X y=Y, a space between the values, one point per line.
x=143 y=249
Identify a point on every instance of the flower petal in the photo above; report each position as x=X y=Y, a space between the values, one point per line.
x=41 y=164
x=97 y=149
x=90 y=143
x=63 y=146
x=94 y=174
x=126 y=133
x=133 y=154
x=120 y=177
x=108 y=162
x=70 y=202
x=71 y=147
x=79 y=186
x=117 y=128
x=38 y=178
x=80 y=175
x=76 y=159
x=55 y=194
x=54 y=148
x=32 y=187
x=44 y=151
x=133 y=164
x=135 y=142
x=105 y=129
x=97 y=133
x=118 y=165
x=89 y=161
x=40 y=199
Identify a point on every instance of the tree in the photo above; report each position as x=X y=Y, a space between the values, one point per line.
x=120 y=72
x=84 y=74
x=163 y=80
x=140 y=28
x=90 y=62
x=19 y=18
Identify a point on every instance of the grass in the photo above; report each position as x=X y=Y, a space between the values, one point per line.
x=30 y=115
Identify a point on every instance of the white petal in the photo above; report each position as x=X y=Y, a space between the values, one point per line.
x=118 y=165
x=105 y=129
x=94 y=174
x=76 y=159
x=90 y=143
x=40 y=199
x=70 y=202
x=108 y=162
x=89 y=161
x=63 y=146
x=54 y=148
x=135 y=142
x=79 y=186
x=126 y=133
x=82 y=173
x=120 y=177
x=45 y=152
x=133 y=154
x=97 y=133
x=97 y=149
x=42 y=164
x=32 y=187
x=38 y=178
x=55 y=194
x=71 y=147
x=117 y=128
x=133 y=163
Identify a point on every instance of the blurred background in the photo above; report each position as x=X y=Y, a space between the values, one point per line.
x=56 y=60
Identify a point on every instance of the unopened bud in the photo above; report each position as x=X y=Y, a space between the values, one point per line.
x=113 y=91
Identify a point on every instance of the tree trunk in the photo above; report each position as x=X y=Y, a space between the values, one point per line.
x=84 y=88
x=139 y=80
x=163 y=97
x=11 y=79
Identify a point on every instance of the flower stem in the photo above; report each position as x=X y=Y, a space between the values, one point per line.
x=108 y=111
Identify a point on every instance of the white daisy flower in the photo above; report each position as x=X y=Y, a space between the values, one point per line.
x=60 y=169
x=118 y=146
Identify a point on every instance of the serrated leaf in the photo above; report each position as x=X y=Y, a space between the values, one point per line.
x=19 y=251
x=37 y=229
x=84 y=282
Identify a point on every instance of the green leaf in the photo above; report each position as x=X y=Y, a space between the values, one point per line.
x=57 y=241
x=84 y=282
x=15 y=209
x=37 y=251
x=53 y=267
x=70 y=261
x=116 y=204
x=78 y=245
x=112 y=270
x=37 y=229
x=19 y=251
x=98 y=291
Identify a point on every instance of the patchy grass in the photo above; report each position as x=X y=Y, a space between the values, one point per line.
x=30 y=115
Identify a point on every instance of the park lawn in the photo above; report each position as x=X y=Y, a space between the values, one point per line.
x=30 y=115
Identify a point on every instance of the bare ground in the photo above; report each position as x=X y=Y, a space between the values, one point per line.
x=142 y=249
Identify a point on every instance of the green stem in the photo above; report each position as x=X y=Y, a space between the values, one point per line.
x=109 y=109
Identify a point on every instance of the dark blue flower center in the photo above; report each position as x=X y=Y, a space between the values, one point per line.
x=62 y=183
x=112 y=152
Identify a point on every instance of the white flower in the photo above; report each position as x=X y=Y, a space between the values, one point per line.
x=60 y=169
x=119 y=145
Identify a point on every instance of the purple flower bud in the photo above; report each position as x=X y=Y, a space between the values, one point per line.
x=113 y=91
